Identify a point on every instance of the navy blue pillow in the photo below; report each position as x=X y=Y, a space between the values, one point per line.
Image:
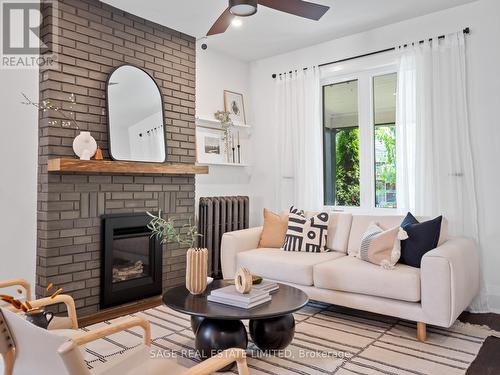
x=422 y=237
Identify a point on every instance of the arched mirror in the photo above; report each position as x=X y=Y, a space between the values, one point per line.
x=135 y=116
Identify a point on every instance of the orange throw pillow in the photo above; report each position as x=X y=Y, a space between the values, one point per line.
x=274 y=231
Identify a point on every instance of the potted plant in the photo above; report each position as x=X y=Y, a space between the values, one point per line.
x=196 y=258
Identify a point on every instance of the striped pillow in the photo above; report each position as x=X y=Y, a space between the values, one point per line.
x=306 y=234
x=382 y=247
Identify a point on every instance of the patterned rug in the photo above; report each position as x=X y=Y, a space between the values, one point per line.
x=328 y=340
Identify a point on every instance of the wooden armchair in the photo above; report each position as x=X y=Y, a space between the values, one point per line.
x=69 y=322
x=28 y=349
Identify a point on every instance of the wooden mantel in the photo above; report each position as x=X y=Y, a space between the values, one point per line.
x=110 y=166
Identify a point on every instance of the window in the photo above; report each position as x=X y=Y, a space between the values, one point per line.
x=359 y=139
x=384 y=115
x=341 y=144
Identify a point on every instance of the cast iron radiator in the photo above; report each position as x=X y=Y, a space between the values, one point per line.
x=216 y=216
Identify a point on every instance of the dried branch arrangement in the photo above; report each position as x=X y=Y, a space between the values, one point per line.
x=26 y=306
x=46 y=105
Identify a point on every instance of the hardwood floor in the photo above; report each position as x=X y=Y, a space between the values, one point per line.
x=486 y=363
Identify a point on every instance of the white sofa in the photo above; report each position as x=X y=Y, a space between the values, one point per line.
x=436 y=293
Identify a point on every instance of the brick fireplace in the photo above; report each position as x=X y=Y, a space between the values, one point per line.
x=93 y=38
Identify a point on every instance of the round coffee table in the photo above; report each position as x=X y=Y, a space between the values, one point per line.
x=218 y=327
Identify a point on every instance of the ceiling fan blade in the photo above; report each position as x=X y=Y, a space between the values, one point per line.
x=297 y=7
x=221 y=24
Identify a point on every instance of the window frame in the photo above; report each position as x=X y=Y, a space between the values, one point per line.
x=364 y=73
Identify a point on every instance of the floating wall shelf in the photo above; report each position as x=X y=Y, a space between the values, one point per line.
x=128 y=167
x=214 y=124
x=226 y=164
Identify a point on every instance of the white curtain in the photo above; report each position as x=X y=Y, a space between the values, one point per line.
x=299 y=152
x=435 y=171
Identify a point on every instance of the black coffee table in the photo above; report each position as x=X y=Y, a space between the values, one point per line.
x=218 y=327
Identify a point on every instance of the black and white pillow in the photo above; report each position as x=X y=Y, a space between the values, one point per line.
x=306 y=234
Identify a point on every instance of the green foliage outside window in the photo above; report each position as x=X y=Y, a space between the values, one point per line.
x=385 y=170
x=347 y=167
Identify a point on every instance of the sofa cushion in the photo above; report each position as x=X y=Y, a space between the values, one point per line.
x=350 y=274
x=338 y=231
x=287 y=266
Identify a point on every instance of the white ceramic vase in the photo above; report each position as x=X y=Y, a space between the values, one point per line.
x=84 y=146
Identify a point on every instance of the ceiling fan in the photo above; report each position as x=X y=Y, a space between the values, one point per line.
x=245 y=8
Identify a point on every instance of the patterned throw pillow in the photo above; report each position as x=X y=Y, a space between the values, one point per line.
x=306 y=234
x=382 y=247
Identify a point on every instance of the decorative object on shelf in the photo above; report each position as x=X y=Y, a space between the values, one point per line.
x=211 y=146
x=224 y=117
x=234 y=104
x=46 y=105
x=239 y=149
x=233 y=148
x=98 y=154
x=196 y=270
x=243 y=280
x=84 y=146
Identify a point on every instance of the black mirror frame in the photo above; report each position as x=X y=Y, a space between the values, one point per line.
x=162 y=115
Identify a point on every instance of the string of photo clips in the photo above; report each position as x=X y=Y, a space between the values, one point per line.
x=151 y=131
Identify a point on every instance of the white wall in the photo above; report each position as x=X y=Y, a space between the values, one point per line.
x=216 y=72
x=18 y=174
x=484 y=83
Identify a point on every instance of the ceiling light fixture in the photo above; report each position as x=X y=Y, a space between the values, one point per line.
x=236 y=22
x=243 y=8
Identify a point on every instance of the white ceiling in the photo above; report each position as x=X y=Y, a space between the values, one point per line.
x=271 y=32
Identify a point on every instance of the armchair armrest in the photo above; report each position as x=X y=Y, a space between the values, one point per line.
x=449 y=280
x=235 y=242
x=61 y=298
x=220 y=361
x=99 y=333
x=18 y=282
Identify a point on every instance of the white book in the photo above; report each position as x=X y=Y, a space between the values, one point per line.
x=230 y=292
x=267 y=286
x=239 y=304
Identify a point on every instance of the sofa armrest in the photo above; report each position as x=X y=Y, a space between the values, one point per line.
x=449 y=280
x=234 y=243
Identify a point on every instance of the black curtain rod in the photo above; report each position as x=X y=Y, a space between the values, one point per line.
x=466 y=31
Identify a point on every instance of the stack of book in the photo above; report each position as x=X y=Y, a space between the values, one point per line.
x=230 y=296
x=268 y=286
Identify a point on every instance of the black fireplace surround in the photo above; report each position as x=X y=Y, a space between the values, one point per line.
x=132 y=260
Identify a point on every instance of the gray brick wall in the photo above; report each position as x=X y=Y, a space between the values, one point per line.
x=93 y=39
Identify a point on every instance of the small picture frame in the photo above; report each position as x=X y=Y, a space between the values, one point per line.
x=210 y=148
x=235 y=105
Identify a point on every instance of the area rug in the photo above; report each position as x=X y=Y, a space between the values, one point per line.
x=328 y=340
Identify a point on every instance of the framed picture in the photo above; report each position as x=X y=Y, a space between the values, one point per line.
x=234 y=104
x=210 y=148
